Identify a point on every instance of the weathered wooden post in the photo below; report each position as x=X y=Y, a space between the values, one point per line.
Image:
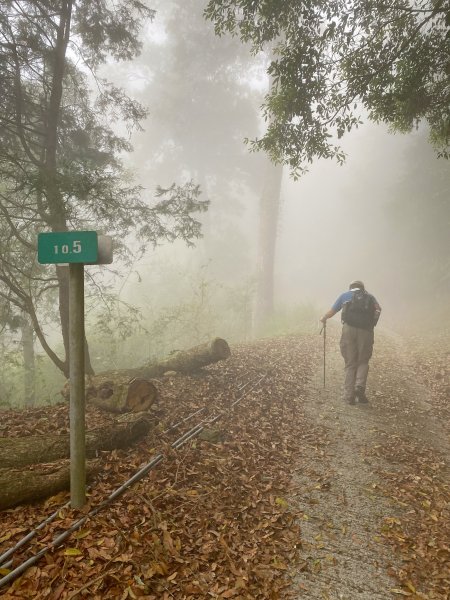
x=76 y=248
x=77 y=387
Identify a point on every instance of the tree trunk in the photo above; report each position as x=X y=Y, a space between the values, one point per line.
x=56 y=205
x=57 y=212
x=269 y=216
x=117 y=392
x=26 y=485
x=28 y=361
x=187 y=361
x=127 y=429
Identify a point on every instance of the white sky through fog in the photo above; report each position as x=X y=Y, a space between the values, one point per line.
x=334 y=221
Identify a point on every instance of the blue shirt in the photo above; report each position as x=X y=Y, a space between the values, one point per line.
x=346 y=297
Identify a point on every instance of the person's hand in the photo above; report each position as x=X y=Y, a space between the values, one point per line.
x=323 y=320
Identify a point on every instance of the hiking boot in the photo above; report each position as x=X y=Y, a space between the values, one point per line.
x=361 y=395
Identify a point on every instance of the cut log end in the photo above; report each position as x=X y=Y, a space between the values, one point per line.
x=115 y=392
x=141 y=395
x=220 y=349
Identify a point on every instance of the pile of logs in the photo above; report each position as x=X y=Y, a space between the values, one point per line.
x=131 y=390
x=28 y=467
x=32 y=467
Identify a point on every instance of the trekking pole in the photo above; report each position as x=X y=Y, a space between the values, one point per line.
x=324 y=330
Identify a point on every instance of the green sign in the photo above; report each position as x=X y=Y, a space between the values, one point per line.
x=67 y=247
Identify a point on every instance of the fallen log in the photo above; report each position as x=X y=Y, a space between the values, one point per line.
x=131 y=390
x=126 y=429
x=27 y=485
x=187 y=361
x=118 y=392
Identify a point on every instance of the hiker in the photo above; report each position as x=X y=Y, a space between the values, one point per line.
x=360 y=314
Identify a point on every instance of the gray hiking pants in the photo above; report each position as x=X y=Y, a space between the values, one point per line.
x=356 y=348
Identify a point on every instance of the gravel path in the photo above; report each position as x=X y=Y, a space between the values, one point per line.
x=340 y=492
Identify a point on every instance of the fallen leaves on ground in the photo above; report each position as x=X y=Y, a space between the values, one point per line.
x=211 y=521
x=430 y=359
x=418 y=481
x=214 y=520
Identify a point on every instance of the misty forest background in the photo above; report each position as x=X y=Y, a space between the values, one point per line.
x=210 y=239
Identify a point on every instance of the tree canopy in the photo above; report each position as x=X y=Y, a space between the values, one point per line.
x=60 y=153
x=333 y=59
x=202 y=104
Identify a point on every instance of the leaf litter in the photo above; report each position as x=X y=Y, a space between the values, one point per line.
x=215 y=519
x=212 y=520
x=416 y=473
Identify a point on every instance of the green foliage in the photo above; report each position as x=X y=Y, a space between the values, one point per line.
x=112 y=326
x=211 y=310
x=207 y=309
x=61 y=161
x=329 y=58
x=110 y=29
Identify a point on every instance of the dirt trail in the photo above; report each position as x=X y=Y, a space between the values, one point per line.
x=342 y=492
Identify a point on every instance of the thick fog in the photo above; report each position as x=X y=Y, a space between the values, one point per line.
x=381 y=217
x=339 y=224
x=336 y=224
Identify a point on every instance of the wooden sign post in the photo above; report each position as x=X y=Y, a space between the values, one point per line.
x=76 y=248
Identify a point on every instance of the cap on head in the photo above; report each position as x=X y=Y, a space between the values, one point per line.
x=356 y=284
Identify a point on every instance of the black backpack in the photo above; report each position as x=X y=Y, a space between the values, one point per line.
x=360 y=310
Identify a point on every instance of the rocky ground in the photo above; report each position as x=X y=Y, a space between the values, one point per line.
x=293 y=495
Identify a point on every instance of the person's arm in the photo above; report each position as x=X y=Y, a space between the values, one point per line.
x=333 y=310
x=330 y=313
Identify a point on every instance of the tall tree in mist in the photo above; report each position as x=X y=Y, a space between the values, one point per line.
x=331 y=58
x=204 y=102
x=269 y=215
x=201 y=102
x=202 y=106
x=419 y=219
x=29 y=363
x=60 y=161
x=11 y=322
